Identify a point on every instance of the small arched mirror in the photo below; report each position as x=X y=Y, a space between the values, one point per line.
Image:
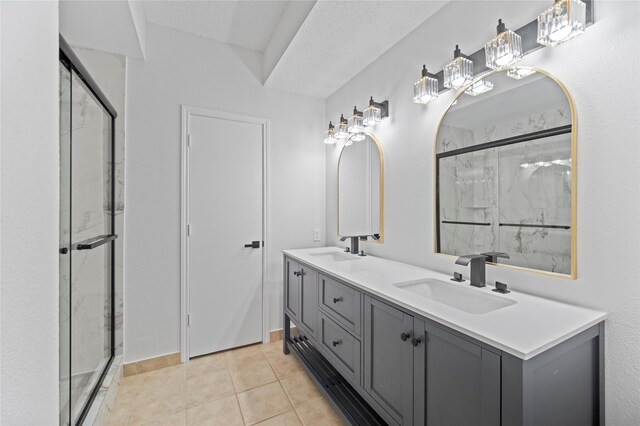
x=505 y=173
x=360 y=188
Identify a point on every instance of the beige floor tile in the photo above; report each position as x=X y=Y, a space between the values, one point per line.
x=225 y=411
x=300 y=388
x=290 y=418
x=284 y=365
x=160 y=392
x=168 y=419
x=206 y=364
x=318 y=412
x=209 y=386
x=272 y=348
x=263 y=403
x=244 y=355
x=127 y=390
x=251 y=375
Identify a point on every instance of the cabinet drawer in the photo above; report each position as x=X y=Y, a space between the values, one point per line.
x=342 y=302
x=342 y=346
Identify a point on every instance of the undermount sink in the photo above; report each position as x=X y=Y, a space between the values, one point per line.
x=338 y=257
x=464 y=299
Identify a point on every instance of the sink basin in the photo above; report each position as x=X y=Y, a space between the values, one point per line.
x=337 y=257
x=464 y=299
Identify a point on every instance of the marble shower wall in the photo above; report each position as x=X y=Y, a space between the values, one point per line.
x=527 y=183
x=109 y=71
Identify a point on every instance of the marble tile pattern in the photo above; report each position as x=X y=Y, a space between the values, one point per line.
x=109 y=71
x=506 y=185
x=256 y=384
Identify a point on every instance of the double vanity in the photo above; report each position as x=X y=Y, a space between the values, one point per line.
x=391 y=343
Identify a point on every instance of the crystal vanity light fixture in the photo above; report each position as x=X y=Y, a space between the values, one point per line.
x=375 y=112
x=342 y=132
x=503 y=50
x=329 y=135
x=520 y=73
x=458 y=72
x=561 y=22
x=479 y=87
x=426 y=89
x=355 y=124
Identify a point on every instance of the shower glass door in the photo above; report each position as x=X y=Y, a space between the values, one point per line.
x=86 y=233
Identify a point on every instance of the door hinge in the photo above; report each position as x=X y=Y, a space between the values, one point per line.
x=188 y=230
x=188 y=319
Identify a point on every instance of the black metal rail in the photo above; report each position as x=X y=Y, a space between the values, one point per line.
x=343 y=396
x=534 y=225
x=455 y=222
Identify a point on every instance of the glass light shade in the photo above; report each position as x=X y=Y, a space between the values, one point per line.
x=371 y=115
x=355 y=124
x=479 y=87
x=520 y=73
x=503 y=50
x=358 y=137
x=329 y=137
x=561 y=22
x=458 y=72
x=425 y=90
x=341 y=131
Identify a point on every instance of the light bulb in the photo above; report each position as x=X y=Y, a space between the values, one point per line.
x=372 y=114
x=520 y=73
x=329 y=135
x=479 y=87
x=355 y=123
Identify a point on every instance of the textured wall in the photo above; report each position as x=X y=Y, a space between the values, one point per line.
x=185 y=69
x=599 y=71
x=29 y=213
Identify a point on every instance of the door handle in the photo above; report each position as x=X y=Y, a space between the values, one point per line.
x=94 y=242
x=254 y=244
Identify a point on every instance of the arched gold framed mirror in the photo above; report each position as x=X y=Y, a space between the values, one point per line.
x=505 y=173
x=361 y=188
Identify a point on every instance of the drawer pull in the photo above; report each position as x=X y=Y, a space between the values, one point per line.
x=404 y=336
x=336 y=343
x=297 y=273
x=337 y=299
x=415 y=342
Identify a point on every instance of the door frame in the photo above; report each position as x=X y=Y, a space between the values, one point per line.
x=186 y=112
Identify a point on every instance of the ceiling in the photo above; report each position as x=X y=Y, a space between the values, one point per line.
x=307 y=46
x=247 y=24
x=340 y=38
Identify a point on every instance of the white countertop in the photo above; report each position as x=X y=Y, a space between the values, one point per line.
x=524 y=329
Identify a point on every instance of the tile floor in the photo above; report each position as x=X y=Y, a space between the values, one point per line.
x=252 y=385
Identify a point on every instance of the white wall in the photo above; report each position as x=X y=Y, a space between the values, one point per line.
x=29 y=212
x=599 y=69
x=185 y=69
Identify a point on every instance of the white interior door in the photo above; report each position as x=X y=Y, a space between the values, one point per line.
x=225 y=161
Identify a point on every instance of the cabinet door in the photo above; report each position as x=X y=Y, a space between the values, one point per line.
x=309 y=299
x=388 y=359
x=457 y=382
x=292 y=288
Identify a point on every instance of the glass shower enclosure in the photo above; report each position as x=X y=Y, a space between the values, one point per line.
x=86 y=257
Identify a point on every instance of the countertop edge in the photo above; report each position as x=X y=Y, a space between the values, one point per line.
x=519 y=354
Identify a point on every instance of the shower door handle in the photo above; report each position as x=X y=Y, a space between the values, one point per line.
x=94 y=242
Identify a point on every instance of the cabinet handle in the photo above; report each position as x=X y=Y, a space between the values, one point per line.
x=416 y=341
x=337 y=299
x=336 y=343
x=404 y=336
x=297 y=273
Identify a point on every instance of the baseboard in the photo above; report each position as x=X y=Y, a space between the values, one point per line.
x=151 y=364
x=275 y=335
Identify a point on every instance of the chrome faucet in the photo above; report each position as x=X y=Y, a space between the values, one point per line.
x=355 y=249
x=478 y=267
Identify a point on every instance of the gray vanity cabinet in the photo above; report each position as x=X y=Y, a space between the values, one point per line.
x=388 y=359
x=301 y=294
x=456 y=381
x=292 y=288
